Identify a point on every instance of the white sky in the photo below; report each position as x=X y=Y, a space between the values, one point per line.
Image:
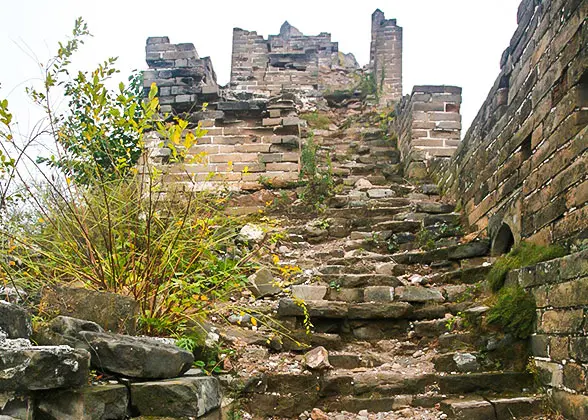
x=453 y=42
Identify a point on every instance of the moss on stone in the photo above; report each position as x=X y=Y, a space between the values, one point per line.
x=523 y=255
x=514 y=311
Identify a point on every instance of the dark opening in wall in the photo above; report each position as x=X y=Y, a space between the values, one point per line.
x=449 y=107
x=526 y=149
x=503 y=241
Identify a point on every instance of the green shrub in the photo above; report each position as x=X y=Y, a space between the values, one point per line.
x=523 y=255
x=316 y=119
x=514 y=311
x=317 y=176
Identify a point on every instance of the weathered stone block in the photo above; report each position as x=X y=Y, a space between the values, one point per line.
x=14 y=320
x=88 y=403
x=180 y=397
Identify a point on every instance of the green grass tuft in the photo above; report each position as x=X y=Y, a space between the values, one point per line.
x=523 y=255
x=316 y=120
x=514 y=311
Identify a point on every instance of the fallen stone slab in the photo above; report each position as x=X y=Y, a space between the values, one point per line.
x=176 y=398
x=14 y=320
x=111 y=311
x=42 y=367
x=88 y=403
x=317 y=359
x=136 y=357
x=262 y=284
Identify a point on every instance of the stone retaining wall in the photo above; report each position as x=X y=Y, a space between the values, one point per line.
x=428 y=127
x=523 y=162
x=560 y=345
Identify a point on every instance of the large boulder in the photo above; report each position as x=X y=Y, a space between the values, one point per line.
x=88 y=403
x=43 y=367
x=14 y=320
x=111 y=311
x=136 y=357
x=176 y=398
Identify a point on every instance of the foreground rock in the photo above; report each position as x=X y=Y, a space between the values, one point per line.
x=136 y=357
x=88 y=403
x=176 y=398
x=42 y=367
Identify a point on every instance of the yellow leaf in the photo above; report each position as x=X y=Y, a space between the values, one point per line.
x=254 y=321
x=275 y=259
x=203 y=297
x=68 y=180
x=11 y=263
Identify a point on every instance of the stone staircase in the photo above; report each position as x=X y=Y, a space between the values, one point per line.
x=391 y=288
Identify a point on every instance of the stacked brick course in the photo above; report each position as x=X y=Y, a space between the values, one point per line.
x=428 y=126
x=560 y=346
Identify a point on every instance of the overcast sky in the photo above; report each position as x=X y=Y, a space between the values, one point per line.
x=453 y=42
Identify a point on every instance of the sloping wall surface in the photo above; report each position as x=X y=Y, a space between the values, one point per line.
x=524 y=161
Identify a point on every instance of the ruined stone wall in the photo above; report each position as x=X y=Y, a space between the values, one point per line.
x=429 y=127
x=560 y=345
x=524 y=161
x=289 y=61
x=386 y=57
x=245 y=144
x=184 y=79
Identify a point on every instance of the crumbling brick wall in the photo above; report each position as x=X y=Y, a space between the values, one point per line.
x=184 y=79
x=524 y=162
x=289 y=61
x=386 y=57
x=560 y=345
x=428 y=125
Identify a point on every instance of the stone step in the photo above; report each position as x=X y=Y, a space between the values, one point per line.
x=383 y=382
x=352 y=306
x=468 y=275
x=434 y=207
x=457 y=252
x=494 y=408
x=358 y=280
x=366 y=213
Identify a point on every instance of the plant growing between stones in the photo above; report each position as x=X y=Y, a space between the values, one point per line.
x=316 y=176
x=105 y=218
